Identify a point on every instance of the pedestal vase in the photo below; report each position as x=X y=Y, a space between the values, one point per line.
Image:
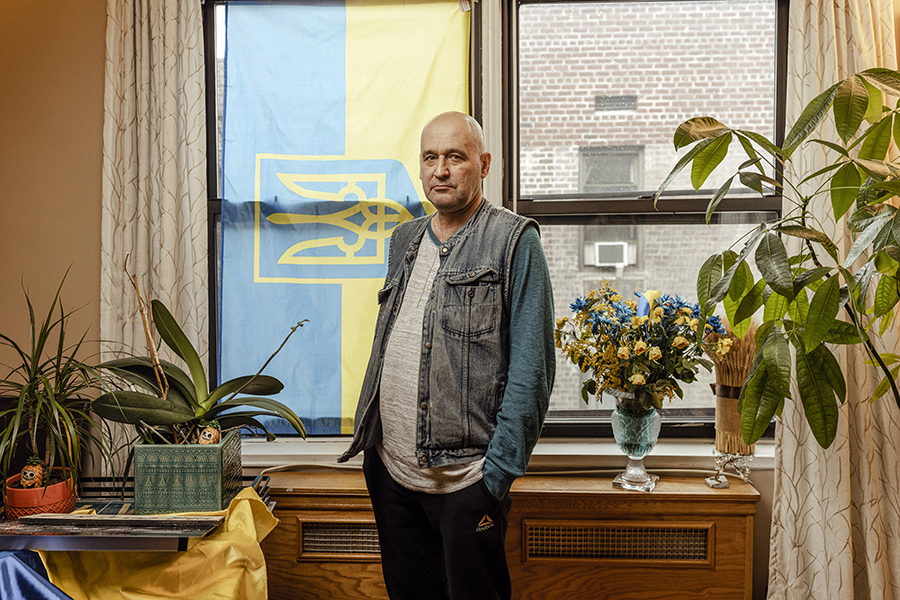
x=636 y=430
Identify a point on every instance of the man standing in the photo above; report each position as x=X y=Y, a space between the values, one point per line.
x=459 y=378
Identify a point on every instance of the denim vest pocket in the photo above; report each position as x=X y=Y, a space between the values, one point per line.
x=471 y=304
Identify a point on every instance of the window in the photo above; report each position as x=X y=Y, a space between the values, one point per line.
x=592 y=94
x=610 y=169
x=595 y=93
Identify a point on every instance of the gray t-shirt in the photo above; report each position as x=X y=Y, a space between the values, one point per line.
x=399 y=389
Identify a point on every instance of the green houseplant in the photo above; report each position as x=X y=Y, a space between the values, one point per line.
x=45 y=414
x=177 y=466
x=802 y=295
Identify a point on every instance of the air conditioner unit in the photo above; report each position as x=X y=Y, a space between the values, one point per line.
x=611 y=254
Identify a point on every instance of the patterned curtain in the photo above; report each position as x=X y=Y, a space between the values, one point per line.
x=836 y=512
x=154 y=169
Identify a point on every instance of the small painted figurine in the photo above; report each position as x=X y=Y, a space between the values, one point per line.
x=33 y=473
x=210 y=435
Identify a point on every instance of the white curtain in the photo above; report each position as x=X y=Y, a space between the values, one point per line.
x=154 y=169
x=836 y=512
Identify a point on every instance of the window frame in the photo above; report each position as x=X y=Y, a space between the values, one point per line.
x=568 y=209
x=636 y=208
x=572 y=208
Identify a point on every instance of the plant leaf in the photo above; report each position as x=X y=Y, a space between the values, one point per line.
x=886 y=78
x=886 y=296
x=818 y=400
x=136 y=407
x=772 y=262
x=823 y=308
x=844 y=189
x=710 y=273
x=829 y=367
x=850 y=103
x=777 y=359
x=717 y=198
x=866 y=237
x=708 y=159
x=775 y=307
x=760 y=400
x=877 y=141
x=750 y=303
x=277 y=408
x=259 y=385
x=682 y=162
x=809 y=119
x=813 y=235
x=875 y=108
x=175 y=339
x=697 y=129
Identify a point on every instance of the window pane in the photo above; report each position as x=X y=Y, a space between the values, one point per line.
x=612 y=74
x=633 y=258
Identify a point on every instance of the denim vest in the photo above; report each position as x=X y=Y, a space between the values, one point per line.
x=465 y=342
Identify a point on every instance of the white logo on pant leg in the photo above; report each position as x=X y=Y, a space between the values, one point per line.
x=485 y=523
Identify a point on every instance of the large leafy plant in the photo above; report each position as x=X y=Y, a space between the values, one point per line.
x=167 y=404
x=804 y=294
x=45 y=396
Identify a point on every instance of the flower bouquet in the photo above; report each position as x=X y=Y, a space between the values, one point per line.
x=642 y=347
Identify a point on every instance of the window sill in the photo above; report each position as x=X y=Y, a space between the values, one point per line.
x=549 y=454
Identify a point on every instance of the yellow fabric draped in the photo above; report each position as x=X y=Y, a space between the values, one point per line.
x=226 y=563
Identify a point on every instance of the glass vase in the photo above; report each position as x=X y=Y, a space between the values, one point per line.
x=636 y=430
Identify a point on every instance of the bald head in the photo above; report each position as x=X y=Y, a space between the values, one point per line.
x=453 y=163
x=459 y=118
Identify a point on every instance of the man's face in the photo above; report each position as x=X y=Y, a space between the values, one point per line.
x=450 y=167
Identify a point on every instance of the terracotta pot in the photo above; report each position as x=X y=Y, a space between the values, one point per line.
x=56 y=498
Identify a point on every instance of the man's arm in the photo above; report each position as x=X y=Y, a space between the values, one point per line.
x=532 y=366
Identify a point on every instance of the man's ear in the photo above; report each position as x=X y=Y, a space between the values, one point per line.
x=485 y=164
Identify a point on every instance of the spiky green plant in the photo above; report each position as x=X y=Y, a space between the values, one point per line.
x=47 y=395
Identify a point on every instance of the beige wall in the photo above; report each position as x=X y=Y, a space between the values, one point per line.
x=51 y=120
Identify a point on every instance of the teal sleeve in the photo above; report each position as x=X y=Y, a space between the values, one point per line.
x=532 y=366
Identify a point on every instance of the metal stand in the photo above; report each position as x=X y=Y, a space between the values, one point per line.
x=737 y=461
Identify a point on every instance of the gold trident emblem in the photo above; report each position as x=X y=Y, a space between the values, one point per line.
x=373 y=211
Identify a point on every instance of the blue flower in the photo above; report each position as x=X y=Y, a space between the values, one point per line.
x=579 y=304
x=716 y=323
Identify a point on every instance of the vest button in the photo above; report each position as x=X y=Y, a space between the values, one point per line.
x=428 y=345
x=423 y=406
x=445 y=250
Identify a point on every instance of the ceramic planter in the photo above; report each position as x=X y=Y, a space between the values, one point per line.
x=56 y=498
x=171 y=478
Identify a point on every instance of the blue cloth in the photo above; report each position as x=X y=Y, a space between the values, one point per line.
x=23 y=576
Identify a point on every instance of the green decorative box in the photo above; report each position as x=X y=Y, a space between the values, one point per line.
x=172 y=478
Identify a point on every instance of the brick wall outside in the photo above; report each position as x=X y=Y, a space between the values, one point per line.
x=681 y=60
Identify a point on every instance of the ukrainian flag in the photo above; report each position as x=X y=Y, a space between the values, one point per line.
x=324 y=106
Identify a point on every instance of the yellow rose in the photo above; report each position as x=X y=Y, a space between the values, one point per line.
x=637 y=379
x=679 y=321
x=655 y=353
x=680 y=342
x=561 y=322
x=640 y=348
x=636 y=321
x=623 y=353
x=694 y=323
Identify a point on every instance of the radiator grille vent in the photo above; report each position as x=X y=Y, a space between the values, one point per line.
x=340 y=538
x=617 y=542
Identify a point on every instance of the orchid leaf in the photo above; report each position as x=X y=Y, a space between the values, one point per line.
x=136 y=407
x=175 y=339
x=251 y=385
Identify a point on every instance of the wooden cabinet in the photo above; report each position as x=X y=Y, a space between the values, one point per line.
x=570 y=537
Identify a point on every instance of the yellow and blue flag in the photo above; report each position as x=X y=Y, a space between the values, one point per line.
x=324 y=106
